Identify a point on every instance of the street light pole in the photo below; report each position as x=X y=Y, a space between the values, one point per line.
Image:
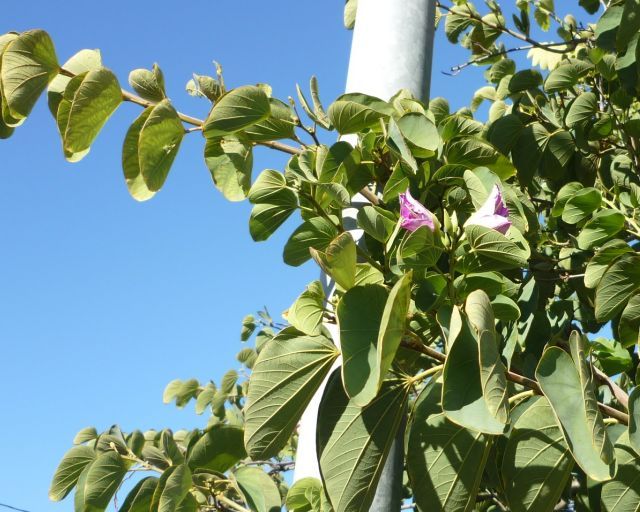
x=392 y=49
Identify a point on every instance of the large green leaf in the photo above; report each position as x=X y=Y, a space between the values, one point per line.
x=238 y=109
x=103 y=479
x=354 y=112
x=140 y=497
x=68 y=471
x=445 y=462
x=601 y=260
x=353 y=442
x=305 y=314
x=489 y=244
x=175 y=489
x=377 y=222
x=623 y=493
x=93 y=102
x=567 y=382
x=130 y=161
x=634 y=419
x=259 y=490
x=359 y=315
x=581 y=110
x=465 y=400
x=316 y=233
x=493 y=378
x=604 y=224
x=474 y=152
x=420 y=133
x=580 y=205
x=392 y=325
x=537 y=462
x=287 y=373
x=339 y=260
x=230 y=161
x=218 y=449
x=619 y=283
x=419 y=250
x=29 y=63
x=159 y=143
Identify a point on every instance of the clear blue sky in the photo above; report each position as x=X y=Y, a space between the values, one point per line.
x=104 y=300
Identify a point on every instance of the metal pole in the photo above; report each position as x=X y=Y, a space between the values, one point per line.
x=392 y=49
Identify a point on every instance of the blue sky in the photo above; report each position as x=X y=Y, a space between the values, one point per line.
x=104 y=300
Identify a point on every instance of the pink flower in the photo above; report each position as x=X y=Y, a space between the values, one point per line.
x=493 y=214
x=413 y=214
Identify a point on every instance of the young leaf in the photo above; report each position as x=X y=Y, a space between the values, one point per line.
x=353 y=442
x=287 y=373
x=305 y=314
x=148 y=83
x=130 y=161
x=103 y=478
x=81 y=62
x=158 y=144
x=339 y=260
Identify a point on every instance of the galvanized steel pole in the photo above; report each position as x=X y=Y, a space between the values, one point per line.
x=392 y=49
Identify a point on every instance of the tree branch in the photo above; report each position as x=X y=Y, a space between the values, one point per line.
x=511 y=376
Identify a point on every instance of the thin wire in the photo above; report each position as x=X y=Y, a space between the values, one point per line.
x=13 y=508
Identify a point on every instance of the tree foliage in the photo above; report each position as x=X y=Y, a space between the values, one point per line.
x=494 y=256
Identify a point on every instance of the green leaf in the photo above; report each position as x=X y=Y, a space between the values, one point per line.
x=148 y=83
x=92 y=104
x=568 y=384
x=140 y=497
x=581 y=110
x=458 y=20
x=339 y=260
x=525 y=80
x=316 y=233
x=581 y=204
x=84 y=435
x=537 y=462
x=420 y=133
x=359 y=313
x=611 y=355
x=419 y=250
x=175 y=489
x=305 y=314
x=599 y=263
x=604 y=224
x=465 y=400
x=564 y=194
x=355 y=112
x=130 y=161
x=158 y=144
x=561 y=78
x=491 y=245
x=68 y=471
x=274 y=201
x=619 y=283
x=218 y=449
x=445 y=462
x=353 y=442
x=476 y=152
x=505 y=308
x=305 y=495
x=634 y=420
x=259 y=490
x=392 y=325
x=493 y=378
x=230 y=161
x=237 y=110
x=29 y=63
x=279 y=124
x=377 y=222
x=103 y=479
x=80 y=63
x=287 y=373
x=623 y=493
